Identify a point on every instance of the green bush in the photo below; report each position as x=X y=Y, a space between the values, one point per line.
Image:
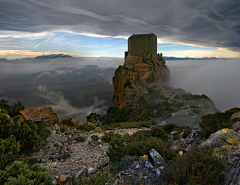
x=107 y=136
x=211 y=123
x=68 y=122
x=169 y=127
x=9 y=150
x=4 y=126
x=80 y=139
x=145 y=124
x=116 y=150
x=142 y=147
x=28 y=136
x=42 y=131
x=186 y=132
x=20 y=173
x=158 y=132
x=13 y=110
x=86 y=127
x=198 y=166
x=94 y=137
x=138 y=136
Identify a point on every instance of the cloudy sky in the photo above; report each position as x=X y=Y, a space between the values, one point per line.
x=93 y=28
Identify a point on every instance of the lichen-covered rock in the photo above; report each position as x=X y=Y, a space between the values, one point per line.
x=235 y=117
x=221 y=138
x=226 y=146
x=236 y=126
x=185 y=144
x=45 y=114
x=143 y=158
x=157 y=158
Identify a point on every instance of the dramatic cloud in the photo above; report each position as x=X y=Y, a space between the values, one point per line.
x=205 y=23
x=63 y=107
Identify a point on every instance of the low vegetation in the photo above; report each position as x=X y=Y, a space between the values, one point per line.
x=198 y=166
x=20 y=173
x=19 y=137
x=211 y=123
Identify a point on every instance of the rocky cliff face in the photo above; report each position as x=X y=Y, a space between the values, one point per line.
x=138 y=76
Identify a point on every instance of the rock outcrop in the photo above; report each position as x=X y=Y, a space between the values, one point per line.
x=45 y=114
x=144 y=70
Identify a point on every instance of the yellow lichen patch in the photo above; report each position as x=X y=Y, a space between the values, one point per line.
x=227 y=147
x=208 y=142
x=175 y=147
x=89 y=123
x=226 y=130
x=230 y=140
x=144 y=158
x=98 y=128
x=216 y=149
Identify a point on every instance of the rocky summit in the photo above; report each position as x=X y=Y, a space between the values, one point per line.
x=144 y=70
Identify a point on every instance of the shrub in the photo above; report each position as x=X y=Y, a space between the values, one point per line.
x=13 y=110
x=20 y=173
x=116 y=150
x=94 y=137
x=4 y=126
x=28 y=136
x=62 y=128
x=68 y=122
x=9 y=150
x=145 y=124
x=198 y=166
x=142 y=147
x=186 y=132
x=138 y=136
x=211 y=123
x=80 y=139
x=158 y=132
x=169 y=127
x=42 y=131
x=28 y=133
x=86 y=127
x=107 y=136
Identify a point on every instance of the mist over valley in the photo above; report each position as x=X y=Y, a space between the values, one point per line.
x=75 y=87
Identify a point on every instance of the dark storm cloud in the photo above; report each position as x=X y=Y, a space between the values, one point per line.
x=207 y=23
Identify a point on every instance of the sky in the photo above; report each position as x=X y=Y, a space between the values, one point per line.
x=93 y=28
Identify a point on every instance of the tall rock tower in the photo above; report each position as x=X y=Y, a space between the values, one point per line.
x=144 y=70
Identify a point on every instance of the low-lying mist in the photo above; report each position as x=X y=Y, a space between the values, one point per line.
x=218 y=79
x=75 y=87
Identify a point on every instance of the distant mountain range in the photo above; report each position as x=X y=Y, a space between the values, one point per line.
x=53 y=56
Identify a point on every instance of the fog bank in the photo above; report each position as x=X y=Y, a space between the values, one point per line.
x=218 y=79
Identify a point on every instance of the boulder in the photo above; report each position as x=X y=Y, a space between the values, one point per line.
x=236 y=126
x=45 y=114
x=157 y=158
x=235 y=117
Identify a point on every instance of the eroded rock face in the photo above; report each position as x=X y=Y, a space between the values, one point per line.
x=45 y=114
x=142 y=72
